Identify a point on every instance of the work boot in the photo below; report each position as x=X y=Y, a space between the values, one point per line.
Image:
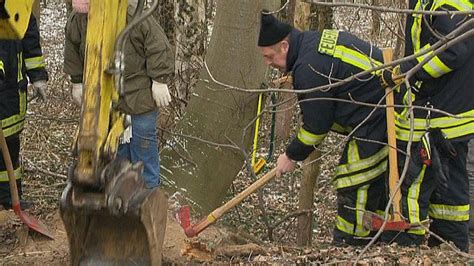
x=24 y=204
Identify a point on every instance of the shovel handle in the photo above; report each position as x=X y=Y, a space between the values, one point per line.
x=9 y=165
x=392 y=143
x=217 y=213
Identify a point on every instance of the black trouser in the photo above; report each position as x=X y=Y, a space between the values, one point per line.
x=360 y=184
x=439 y=191
x=13 y=143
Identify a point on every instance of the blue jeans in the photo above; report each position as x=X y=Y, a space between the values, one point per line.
x=144 y=147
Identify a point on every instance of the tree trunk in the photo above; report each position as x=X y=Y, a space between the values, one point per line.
x=376 y=19
x=299 y=16
x=322 y=18
x=202 y=171
x=37 y=11
x=400 y=43
x=306 y=199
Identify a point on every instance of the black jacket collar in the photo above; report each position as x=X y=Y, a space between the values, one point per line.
x=295 y=43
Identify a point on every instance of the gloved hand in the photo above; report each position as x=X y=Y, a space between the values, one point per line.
x=76 y=93
x=40 y=87
x=161 y=94
x=391 y=77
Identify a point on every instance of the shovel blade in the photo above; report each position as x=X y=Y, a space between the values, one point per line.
x=32 y=223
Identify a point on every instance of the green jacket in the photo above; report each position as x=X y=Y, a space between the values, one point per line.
x=148 y=56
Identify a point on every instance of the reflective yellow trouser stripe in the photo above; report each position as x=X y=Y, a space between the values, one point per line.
x=353 y=152
x=34 y=62
x=309 y=138
x=412 y=202
x=360 y=164
x=2 y=68
x=15 y=123
x=20 y=66
x=349 y=181
x=4 y=175
x=361 y=203
x=459 y=213
x=344 y=225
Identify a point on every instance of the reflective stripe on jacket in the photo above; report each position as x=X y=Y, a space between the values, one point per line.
x=314 y=59
x=445 y=81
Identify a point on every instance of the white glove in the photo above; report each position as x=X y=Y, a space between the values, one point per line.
x=76 y=93
x=161 y=94
x=127 y=133
x=40 y=87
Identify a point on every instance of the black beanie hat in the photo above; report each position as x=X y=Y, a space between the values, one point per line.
x=272 y=31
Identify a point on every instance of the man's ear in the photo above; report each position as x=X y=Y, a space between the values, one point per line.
x=285 y=46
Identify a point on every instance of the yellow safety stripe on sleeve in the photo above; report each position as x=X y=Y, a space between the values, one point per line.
x=34 y=62
x=352 y=152
x=309 y=138
x=4 y=175
x=361 y=164
x=461 y=5
x=355 y=58
x=458 y=213
x=344 y=225
x=356 y=179
x=9 y=121
x=434 y=67
x=2 y=68
x=20 y=66
x=412 y=201
x=361 y=203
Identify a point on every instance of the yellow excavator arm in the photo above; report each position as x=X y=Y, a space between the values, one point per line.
x=110 y=217
x=14 y=17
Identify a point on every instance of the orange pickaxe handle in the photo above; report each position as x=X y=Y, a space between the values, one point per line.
x=392 y=142
x=217 y=213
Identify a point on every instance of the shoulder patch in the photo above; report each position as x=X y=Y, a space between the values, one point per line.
x=327 y=44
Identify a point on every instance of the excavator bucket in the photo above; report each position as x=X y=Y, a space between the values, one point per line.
x=123 y=225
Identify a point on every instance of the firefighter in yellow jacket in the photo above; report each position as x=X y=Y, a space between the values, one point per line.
x=21 y=61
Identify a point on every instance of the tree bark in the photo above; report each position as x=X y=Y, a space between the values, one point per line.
x=376 y=19
x=201 y=171
x=299 y=14
x=322 y=18
x=37 y=12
